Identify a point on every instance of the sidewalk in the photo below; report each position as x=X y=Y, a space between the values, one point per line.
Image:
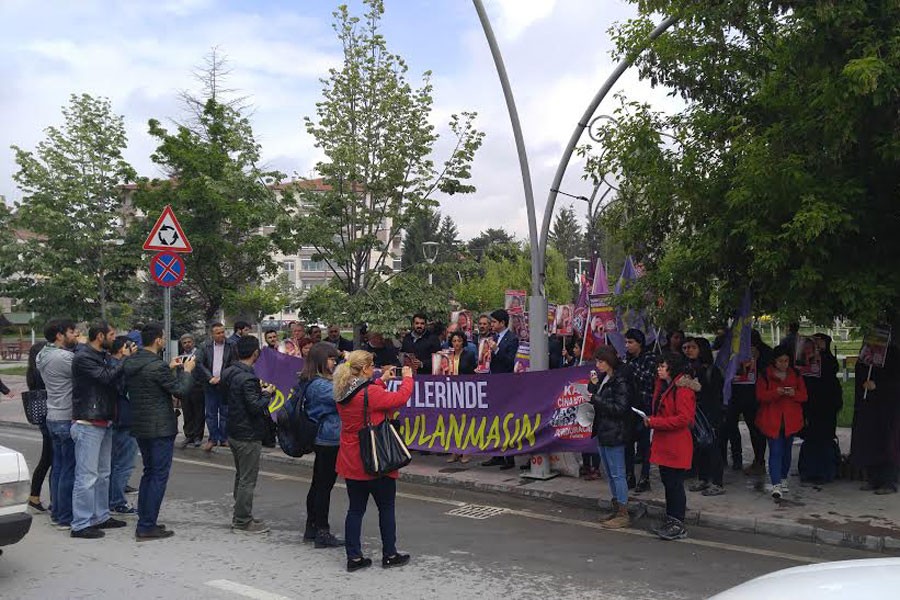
x=836 y=514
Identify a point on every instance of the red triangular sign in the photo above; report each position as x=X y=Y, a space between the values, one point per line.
x=167 y=234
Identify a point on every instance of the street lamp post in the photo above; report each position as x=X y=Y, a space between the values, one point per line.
x=430 y=252
x=579 y=260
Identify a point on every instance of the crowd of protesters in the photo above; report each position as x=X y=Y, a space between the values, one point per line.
x=110 y=395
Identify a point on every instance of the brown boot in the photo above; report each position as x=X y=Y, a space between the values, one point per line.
x=621 y=520
x=614 y=510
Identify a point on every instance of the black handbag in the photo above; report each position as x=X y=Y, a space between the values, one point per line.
x=702 y=431
x=380 y=446
x=35 y=404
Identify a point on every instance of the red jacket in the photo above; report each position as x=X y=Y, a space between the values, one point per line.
x=775 y=408
x=673 y=414
x=349 y=461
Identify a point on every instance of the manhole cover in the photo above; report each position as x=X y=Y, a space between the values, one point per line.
x=474 y=511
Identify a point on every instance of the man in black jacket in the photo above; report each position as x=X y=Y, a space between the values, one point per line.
x=151 y=383
x=213 y=357
x=94 y=396
x=248 y=410
x=421 y=344
x=504 y=346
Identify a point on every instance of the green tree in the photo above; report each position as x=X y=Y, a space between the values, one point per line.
x=187 y=311
x=485 y=289
x=374 y=130
x=783 y=173
x=493 y=243
x=423 y=227
x=74 y=261
x=254 y=301
x=566 y=236
x=221 y=196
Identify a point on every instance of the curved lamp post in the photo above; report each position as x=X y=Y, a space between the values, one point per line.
x=430 y=252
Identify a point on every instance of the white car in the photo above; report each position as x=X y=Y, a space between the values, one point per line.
x=15 y=484
x=868 y=578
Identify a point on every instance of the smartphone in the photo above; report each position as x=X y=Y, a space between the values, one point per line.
x=593 y=373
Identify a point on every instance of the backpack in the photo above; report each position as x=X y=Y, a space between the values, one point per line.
x=296 y=431
x=702 y=431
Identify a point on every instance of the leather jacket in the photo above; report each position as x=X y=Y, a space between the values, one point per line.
x=95 y=385
x=247 y=403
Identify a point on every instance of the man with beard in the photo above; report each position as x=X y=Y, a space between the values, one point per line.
x=271 y=337
x=421 y=344
x=94 y=397
x=54 y=363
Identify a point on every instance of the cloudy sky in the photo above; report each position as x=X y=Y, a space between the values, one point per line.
x=140 y=54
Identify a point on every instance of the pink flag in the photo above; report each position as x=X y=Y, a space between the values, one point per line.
x=601 y=285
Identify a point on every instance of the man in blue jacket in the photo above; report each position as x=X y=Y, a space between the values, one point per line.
x=504 y=346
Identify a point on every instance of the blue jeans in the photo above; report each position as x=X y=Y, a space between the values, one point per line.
x=156 y=454
x=90 y=494
x=62 y=472
x=780 y=457
x=124 y=451
x=216 y=414
x=613 y=458
x=384 y=490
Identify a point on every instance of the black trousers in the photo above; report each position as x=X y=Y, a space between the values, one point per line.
x=711 y=461
x=676 y=500
x=882 y=475
x=743 y=404
x=40 y=471
x=194 y=409
x=318 y=499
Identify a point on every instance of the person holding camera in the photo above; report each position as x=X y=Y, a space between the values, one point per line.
x=781 y=393
x=352 y=383
x=248 y=408
x=150 y=384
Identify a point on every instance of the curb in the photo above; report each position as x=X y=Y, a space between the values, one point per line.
x=655 y=508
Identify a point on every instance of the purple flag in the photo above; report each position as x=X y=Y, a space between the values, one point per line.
x=626 y=318
x=736 y=345
x=600 y=284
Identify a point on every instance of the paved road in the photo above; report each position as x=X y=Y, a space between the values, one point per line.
x=532 y=550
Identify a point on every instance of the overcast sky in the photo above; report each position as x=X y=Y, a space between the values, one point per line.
x=140 y=54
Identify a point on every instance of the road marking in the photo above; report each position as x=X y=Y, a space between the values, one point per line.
x=519 y=513
x=476 y=511
x=244 y=590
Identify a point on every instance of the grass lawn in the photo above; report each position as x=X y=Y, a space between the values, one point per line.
x=16 y=370
x=845 y=417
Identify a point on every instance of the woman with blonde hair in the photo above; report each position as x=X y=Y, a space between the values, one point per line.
x=353 y=386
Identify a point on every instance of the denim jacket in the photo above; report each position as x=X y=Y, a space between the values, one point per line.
x=320 y=407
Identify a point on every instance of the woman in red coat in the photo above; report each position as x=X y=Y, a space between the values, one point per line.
x=352 y=380
x=672 y=447
x=781 y=393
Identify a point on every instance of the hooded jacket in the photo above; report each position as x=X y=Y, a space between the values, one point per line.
x=150 y=384
x=248 y=405
x=673 y=414
x=55 y=366
x=776 y=409
x=350 y=409
x=612 y=411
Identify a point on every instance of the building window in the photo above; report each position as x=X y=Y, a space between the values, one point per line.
x=312 y=265
x=308 y=285
x=288 y=266
x=398 y=264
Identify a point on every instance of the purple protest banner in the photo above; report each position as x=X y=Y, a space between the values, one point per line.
x=279 y=369
x=498 y=415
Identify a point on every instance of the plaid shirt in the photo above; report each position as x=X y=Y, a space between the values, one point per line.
x=641 y=374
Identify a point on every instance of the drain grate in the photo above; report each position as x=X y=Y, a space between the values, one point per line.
x=475 y=511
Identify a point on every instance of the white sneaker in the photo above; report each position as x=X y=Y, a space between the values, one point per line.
x=784 y=486
x=777 y=491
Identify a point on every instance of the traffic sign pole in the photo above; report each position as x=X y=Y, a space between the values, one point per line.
x=167 y=321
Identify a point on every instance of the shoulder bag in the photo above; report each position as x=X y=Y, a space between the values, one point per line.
x=35 y=405
x=380 y=446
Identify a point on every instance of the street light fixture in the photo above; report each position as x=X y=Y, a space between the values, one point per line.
x=430 y=252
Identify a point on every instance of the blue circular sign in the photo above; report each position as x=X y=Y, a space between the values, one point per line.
x=167 y=269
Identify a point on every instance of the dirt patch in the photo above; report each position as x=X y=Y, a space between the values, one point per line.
x=855 y=526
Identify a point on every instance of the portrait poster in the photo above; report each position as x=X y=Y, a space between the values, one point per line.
x=875 y=344
x=514 y=302
x=518 y=323
x=551 y=319
x=523 y=358
x=484 y=356
x=808 y=357
x=565 y=318
x=461 y=320
x=442 y=363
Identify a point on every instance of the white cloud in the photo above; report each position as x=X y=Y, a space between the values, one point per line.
x=516 y=16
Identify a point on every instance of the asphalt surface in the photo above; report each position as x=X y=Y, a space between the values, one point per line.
x=530 y=549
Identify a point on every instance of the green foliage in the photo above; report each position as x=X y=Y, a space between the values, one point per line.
x=253 y=301
x=566 y=236
x=373 y=128
x=187 y=311
x=484 y=291
x=494 y=243
x=220 y=196
x=74 y=261
x=784 y=173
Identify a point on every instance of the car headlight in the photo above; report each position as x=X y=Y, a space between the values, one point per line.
x=14 y=493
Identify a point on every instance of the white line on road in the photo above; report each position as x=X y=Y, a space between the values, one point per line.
x=244 y=590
